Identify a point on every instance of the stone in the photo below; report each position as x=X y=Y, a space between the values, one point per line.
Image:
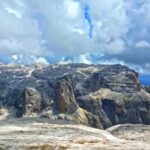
x=147 y=88
x=84 y=117
x=29 y=102
x=96 y=95
x=45 y=134
x=65 y=97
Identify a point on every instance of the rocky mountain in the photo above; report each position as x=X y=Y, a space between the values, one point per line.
x=95 y=95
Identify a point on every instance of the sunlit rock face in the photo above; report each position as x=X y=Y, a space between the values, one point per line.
x=46 y=134
x=95 y=95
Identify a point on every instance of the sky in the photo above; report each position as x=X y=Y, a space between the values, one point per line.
x=78 y=31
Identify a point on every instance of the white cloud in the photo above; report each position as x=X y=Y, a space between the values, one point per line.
x=14 y=12
x=115 y=47
x=72 y=8
x=63 y=26
x=142 y=44
x=41 y=60
x=58 y=28
x=64 y=23
x=18 y=33
x=84 y=59
x=27 y=59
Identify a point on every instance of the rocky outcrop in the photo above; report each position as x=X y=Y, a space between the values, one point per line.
x=65 y=97
x=29 y=102
x=117 y=78
x=84 y=117
x=96 y=95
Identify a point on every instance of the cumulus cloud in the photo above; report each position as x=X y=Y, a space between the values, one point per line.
x=27 y=59
x=79 y=30
x=18 y=33
x=62 y=26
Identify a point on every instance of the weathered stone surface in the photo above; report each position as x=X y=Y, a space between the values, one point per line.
x=132 y=132
x=147 y=88
x=96 y=95
x=118 y=108
x=46 y=134
x=29 y=102
x=84 y=117
x=65 y=97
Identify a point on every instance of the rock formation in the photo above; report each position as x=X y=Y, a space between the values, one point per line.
x=96 y=95
x=65 y=97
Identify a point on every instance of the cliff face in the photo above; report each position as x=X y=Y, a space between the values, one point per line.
x=147 y=88
x=95 y=95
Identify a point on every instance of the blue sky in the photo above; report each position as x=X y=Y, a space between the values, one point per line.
x=145 y=80
x=79 y=31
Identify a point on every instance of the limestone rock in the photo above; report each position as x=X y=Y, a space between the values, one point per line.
x=84 y=117
x=29 y=102
x=96 y=95
x=45 y=134
x=65 y=97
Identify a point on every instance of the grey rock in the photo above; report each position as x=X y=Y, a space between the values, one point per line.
x=147 y=88
x=96 y=95
x=29 y=102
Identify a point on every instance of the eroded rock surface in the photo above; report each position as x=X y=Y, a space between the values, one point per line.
x=45 y=134
x=96 y=95
x=132 y=132
x=65 y=97
x=147 y=88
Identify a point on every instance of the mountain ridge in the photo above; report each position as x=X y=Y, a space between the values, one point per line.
x=95 y=95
